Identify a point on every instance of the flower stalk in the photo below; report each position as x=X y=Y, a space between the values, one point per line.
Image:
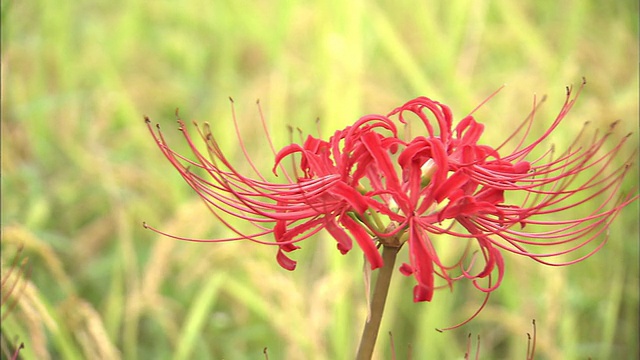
x=380 y=291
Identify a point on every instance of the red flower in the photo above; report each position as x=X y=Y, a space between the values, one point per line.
x=369 y=184
x=446 y=176
x=325 y=194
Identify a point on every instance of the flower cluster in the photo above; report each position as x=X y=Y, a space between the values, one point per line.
x=371 y=184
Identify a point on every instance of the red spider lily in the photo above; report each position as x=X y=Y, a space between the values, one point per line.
x=368 y=183
x=325 y=195
x=446 y=175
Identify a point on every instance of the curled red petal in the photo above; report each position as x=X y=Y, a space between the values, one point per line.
x=406 y=269
x=285 y=261
x=341 y=236
x=383 y=161
x=284 y=152
x=422 y=264
x=365 y=241
x=350 y=195
x=446 y=188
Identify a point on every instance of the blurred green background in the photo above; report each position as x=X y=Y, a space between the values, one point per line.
x=80 y=172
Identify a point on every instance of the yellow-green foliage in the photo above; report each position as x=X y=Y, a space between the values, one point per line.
x=80 y=172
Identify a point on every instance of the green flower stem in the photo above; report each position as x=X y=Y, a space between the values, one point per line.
x=370 y=332
x=377 y=220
